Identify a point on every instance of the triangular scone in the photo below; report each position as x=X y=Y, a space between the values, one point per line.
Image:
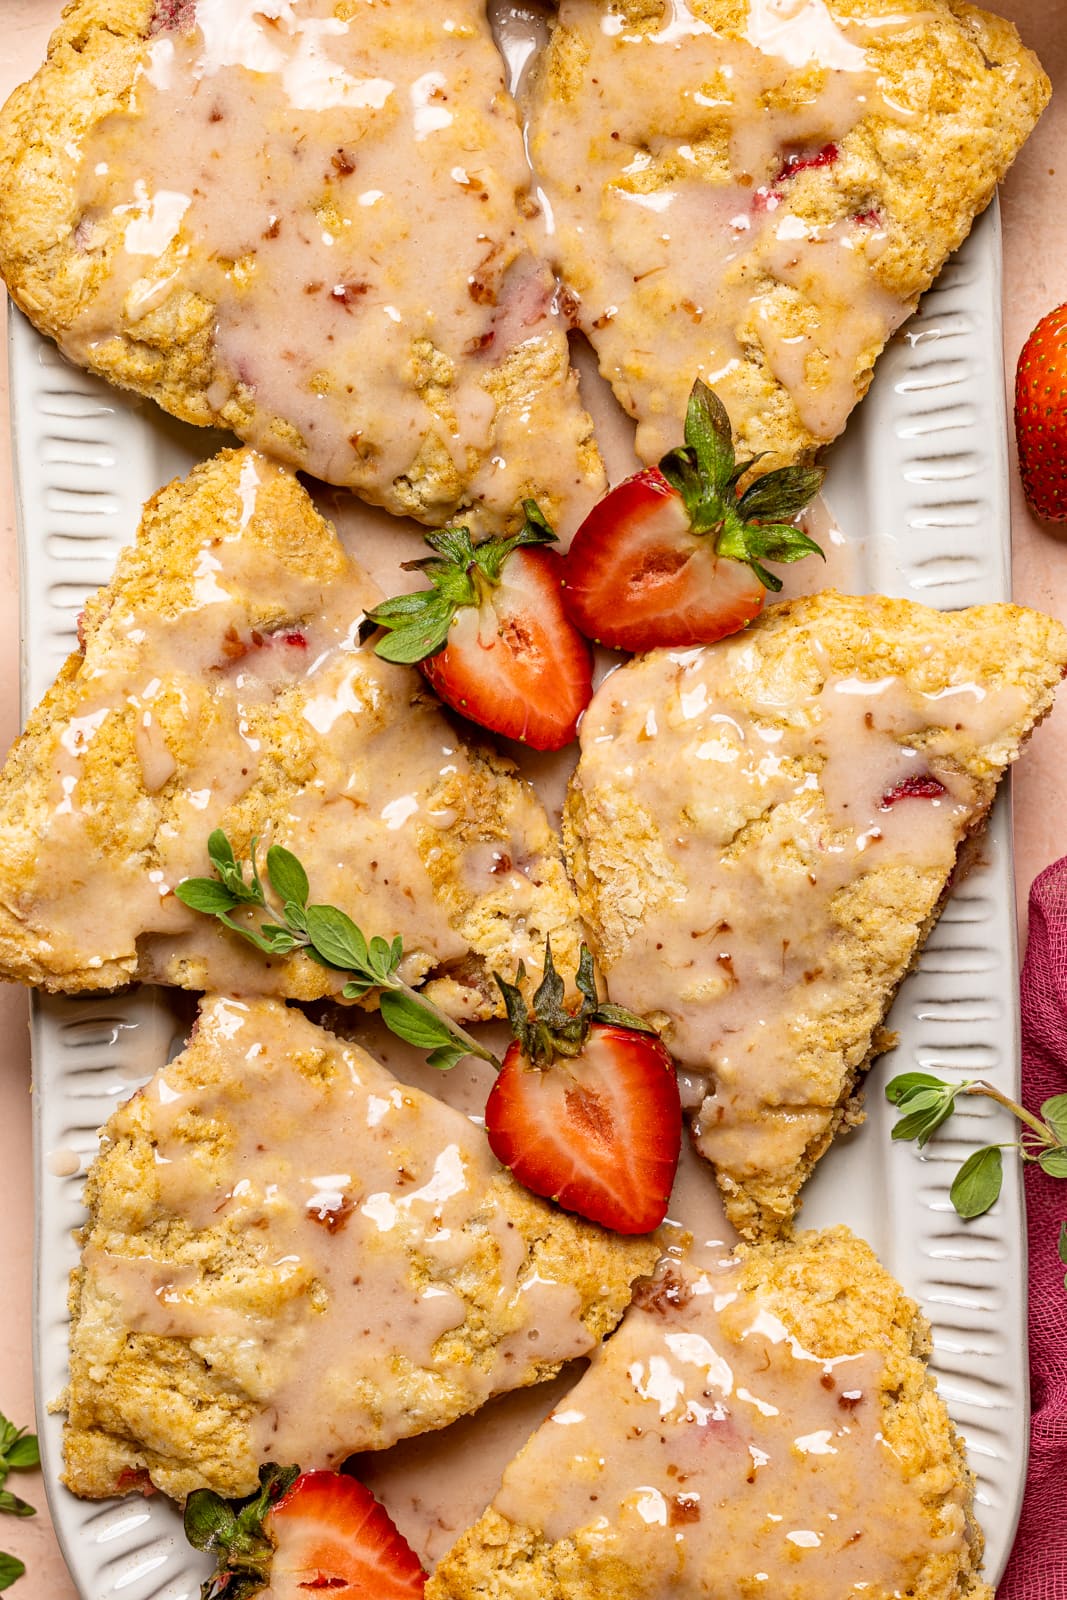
x=222 y=684
x=765 y=1424
x=757 y=194
x=761 y=832
x=290 y=1256
x=309 y=223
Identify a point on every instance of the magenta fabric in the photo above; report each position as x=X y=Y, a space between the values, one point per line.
x=1038 y=1566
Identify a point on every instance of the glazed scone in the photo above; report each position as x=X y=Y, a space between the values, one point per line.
x=761 y=832
x=291 y=1256
x=757 y=194
x=764 y=1425
x=308 y=222
x=222 y=684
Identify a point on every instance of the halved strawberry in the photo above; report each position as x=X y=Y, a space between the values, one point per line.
x=330 y=1533
x=301 y=1533
x=673 y=556
x=586 y=1109
x=492 y=636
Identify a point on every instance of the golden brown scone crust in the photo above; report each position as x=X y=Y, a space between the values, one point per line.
x=618 y=851
x=294 y=564
x=971 y=94
x=143 y=1405
x=165 y=348
x=832 y=1293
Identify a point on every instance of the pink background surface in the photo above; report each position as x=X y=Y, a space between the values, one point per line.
x=1035 y=279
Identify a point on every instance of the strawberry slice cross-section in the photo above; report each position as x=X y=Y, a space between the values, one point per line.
x=300 y=1534
x=674 y=556
x=491 y=634
x=586 y=1110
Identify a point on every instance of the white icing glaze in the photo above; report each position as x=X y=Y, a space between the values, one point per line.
x=664 y=151
x=354 y=214
x=363 y=1208
x=767 y=805
x=706 y=1451
x=212 y=708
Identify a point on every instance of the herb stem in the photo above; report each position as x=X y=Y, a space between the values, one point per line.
x=426 y=1004
x=1045 y=1135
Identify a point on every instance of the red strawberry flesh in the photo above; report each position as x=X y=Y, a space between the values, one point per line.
x=916 y=786
x=1041 y=416
x=637 y=576
x=599 y=1133
x=515 y=663
x=330 y=1534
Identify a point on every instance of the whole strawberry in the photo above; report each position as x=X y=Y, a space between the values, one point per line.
x=1041 y=416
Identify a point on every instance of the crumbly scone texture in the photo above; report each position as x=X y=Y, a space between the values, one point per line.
x=478 y=879
x=625 y=868
x=60 y=252
x=834 y=1296
x=957 y=95
x=179 y=1410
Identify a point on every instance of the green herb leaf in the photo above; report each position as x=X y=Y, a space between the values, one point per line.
x=383 y=958
x=23 y=1453
x=413 y=1023
x=207 y=895
x=1054 y=1162
x=287 y=877
x=447 y=1056
x=261 y=941
x=1054 y=1112
x=906 y=1083
x=337 y=940
x=11 y=1569
x=14 y=1506
x=230 y=870
x=978 y=1182
x=1062 y=1245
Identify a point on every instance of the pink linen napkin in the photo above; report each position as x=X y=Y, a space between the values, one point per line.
x=1038 y=1566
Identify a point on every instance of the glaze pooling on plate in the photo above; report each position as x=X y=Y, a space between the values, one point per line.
x=291 y=1256
x=757 y=195
x=222 y=683
x=730 y=1440
x=313 y=224
x=761 y=832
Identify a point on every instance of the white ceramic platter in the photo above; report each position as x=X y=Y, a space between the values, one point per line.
x=918 y=484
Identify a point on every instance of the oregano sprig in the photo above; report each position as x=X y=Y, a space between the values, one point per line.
x=323 y=933
x=925 y=1102
x=19 y=1452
